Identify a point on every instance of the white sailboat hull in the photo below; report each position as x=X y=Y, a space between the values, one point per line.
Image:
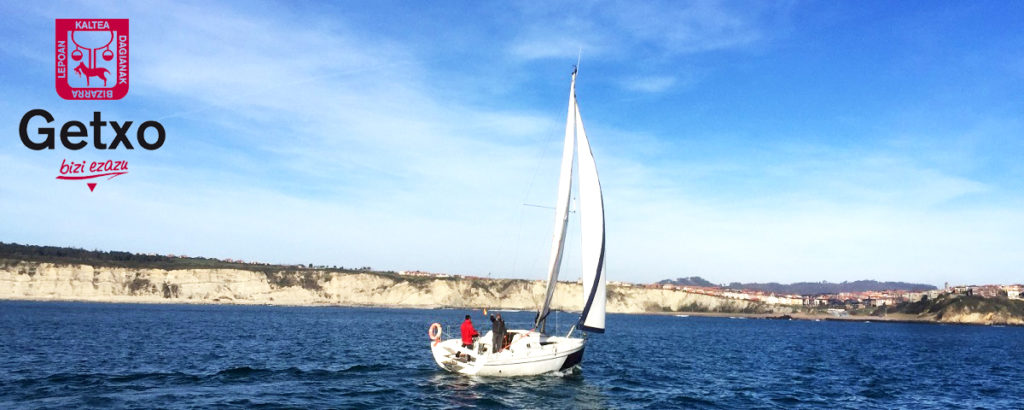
x=529 y=354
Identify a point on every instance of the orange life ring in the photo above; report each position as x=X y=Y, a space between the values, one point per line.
x=435 y=337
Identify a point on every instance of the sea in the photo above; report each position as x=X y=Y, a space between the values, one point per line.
x=98 y=355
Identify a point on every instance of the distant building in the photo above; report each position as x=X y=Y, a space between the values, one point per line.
x=423 y=274
x=738 y=295
x=913 y=296
x=838 y=312
x=987 y=291
x=789 y=300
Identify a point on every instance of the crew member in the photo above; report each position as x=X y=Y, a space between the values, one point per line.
x=468 y=333
x=497 y=333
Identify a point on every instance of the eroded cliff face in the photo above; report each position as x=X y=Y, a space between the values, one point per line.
x=970 y=309
x=47 y=281
x=980 y=318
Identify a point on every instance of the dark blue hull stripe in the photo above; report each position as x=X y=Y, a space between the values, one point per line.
x=574 y=359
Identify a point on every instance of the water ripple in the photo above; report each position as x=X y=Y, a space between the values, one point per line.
x=59 y=355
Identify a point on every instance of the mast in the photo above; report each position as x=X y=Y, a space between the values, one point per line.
x=561 y=206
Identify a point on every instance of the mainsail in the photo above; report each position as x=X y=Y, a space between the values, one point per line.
x=591 y=223
x=561 y=206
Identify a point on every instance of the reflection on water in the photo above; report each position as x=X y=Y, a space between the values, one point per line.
x=559 y=389
x=462 y=390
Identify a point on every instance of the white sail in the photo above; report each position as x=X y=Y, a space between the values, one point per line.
x=592 y=232
x=561 y=206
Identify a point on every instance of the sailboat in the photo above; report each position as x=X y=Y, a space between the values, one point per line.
x=534 y=351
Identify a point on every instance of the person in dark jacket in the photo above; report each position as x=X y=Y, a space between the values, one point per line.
x=497 y=333
x=468 y=333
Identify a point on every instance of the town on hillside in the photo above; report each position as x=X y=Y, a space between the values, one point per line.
x=849 y=300
x=845 y=300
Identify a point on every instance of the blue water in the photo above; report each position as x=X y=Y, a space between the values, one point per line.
x=59 y=355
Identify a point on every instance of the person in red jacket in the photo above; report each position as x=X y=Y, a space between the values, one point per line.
x=468 y=333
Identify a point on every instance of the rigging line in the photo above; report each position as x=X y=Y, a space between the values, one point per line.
x=539 y=206
x=542 y=148
x=571 y=210
x=579 y=57
x=519 y=236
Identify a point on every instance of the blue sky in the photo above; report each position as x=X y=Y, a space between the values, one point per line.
x=738 y=141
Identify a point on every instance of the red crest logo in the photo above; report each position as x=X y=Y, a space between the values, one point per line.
x=92 y=59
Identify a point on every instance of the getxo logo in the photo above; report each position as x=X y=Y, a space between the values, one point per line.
x=91 y=63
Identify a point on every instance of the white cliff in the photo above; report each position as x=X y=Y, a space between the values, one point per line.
x=48 y=281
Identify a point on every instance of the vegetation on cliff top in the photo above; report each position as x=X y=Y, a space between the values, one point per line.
x=805 y=288
x=946 y=305
x=277 y=275
x=690 y=281
x=817 y=288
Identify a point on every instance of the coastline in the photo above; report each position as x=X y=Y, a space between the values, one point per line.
x=26 y=280
x=47 y=281
x=805 y=316
x=801 y=316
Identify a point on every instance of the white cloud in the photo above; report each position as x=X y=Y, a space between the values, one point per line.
x=624 y=29
x=814 y=214
x=316 y=145
x=539 y=47
x=691 y=27
x=653 y=84
x=299 y=139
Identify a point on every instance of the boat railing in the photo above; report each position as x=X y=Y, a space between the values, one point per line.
x=554 y=327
